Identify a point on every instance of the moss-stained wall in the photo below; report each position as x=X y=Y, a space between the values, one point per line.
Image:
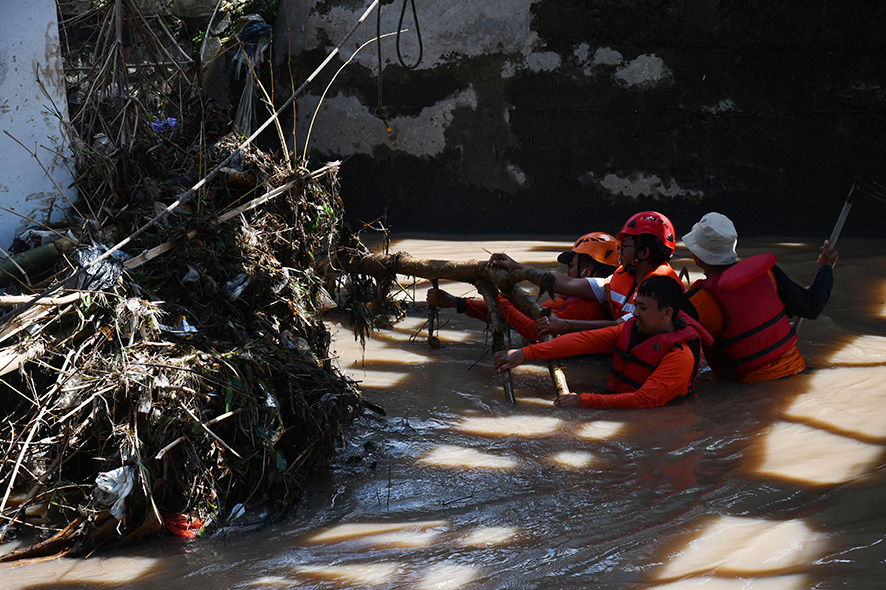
x=565 y=117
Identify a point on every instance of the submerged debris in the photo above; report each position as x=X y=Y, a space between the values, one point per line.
x=167 y=363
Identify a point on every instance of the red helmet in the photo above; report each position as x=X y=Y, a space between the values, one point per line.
x=650 y=222
x=598 y=245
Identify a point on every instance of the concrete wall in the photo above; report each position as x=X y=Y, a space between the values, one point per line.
x=32 y=108
x=565 y=117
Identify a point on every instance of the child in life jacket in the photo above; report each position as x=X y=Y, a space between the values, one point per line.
x=594 y=255
x=745 y=304
x=655 y=354
x=647 y=244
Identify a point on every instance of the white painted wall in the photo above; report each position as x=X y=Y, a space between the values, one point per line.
x=32 y=97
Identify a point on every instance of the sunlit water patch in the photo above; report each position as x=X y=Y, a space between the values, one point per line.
x=466 y=458
x=733 y=546
x=525 y=426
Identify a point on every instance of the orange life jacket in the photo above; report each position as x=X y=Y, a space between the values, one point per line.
x=757 y=329
x=622 y=287
x=633 y=361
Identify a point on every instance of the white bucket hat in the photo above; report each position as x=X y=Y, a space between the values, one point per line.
x=713 y=239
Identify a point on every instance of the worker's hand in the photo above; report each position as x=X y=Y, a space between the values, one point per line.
x=827 y=255
x=440 y=298
x=551 y=325
x=504 y=261
x=508 y=359
x=479 y=282
x=567 y=400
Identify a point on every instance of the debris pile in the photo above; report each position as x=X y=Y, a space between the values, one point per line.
x=162 y=362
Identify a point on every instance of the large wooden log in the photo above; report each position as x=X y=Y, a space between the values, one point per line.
x=467 y=272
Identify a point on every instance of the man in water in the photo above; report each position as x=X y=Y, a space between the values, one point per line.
x=745 y=305
x=655 y=356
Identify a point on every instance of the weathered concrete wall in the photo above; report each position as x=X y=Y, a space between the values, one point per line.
x=557 y=116
x=33 y=108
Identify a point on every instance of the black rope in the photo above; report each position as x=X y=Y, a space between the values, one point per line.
x=417 y=33
x=380 y=111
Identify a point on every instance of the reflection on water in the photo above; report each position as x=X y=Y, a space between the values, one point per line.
x=772 y=486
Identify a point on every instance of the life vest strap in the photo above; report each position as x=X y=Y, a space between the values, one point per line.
x=621 y=377
x=627 y=357
x=730 y=341
x=764 y=352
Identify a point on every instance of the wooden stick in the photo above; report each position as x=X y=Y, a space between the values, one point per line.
x=137 y=261
x=35 y=425
x=176 y=442
x=433 y=317
x=61 y=539
x=209 y=432
x=43 y=301
x=525 y=303
x=497 y=323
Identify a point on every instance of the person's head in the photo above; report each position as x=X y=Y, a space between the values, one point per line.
x=657 y=303
x=712 y=241
x=593 y=255
x=647 y=237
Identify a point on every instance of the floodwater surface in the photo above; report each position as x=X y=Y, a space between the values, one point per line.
x=776 y=485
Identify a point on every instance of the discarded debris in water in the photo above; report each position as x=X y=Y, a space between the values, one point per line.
x=163 y=360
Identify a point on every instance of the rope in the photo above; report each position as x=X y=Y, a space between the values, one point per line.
x=380 y=111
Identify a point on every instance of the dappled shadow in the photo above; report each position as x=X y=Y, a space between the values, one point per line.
x=770 y=486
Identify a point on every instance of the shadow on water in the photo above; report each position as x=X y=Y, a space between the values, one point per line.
x=775 y=485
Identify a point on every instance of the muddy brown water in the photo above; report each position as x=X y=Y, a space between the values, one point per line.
x=772 y=486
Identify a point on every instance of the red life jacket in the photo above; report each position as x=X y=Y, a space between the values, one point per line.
x=757 y=329
x=633 y=361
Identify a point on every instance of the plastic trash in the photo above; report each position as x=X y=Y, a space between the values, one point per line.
x=36 y=237
x=192 y=276
x=235 y=287
x=237 y=511
x=255 y=39
x=181 y=328
x=102 y=144
x=99 y=276
x=182 y=525
x=112 y=487
x=159 y=126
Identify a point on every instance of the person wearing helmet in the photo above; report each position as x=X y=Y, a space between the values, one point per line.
x=744 y=304
x=655 y=354
x=647 y=244
x=597 y=251
x=594 y=255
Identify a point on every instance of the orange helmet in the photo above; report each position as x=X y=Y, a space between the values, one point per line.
x=598 y=245
x=650 y=222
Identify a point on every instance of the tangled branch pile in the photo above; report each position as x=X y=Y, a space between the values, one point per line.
x=188 y=372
